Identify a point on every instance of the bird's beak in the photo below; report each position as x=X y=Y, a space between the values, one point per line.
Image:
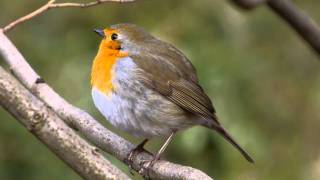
x=100 y=32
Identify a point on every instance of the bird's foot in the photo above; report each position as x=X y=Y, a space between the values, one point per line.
x=146 y=166
x=130 y=158
x=133 y=153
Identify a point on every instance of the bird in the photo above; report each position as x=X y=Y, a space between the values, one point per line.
x=148 y=88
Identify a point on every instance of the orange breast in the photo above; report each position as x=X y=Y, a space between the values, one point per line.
x=101 y=73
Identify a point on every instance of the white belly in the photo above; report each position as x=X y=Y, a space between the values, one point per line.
x=137 y=110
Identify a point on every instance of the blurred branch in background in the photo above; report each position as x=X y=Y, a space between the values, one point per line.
x=300 y=22
x=51 y=5
x=41 y=121
x=75 y=117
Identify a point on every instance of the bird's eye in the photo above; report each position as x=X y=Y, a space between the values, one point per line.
x=114 y=36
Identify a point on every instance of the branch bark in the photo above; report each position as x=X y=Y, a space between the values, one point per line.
x=300 y=22
x=84 y=123
x=41 y=121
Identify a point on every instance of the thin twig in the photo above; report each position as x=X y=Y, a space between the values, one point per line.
x=89 y=4
x=28 y=16
x=86 y=124
x=51 y=4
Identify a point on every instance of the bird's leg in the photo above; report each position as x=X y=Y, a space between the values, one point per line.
x=133 y=152
x=149 y=164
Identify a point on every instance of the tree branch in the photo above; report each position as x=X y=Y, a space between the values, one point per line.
x=51 y=5
x=82 y=121
x=41 y=121
x=299 y=21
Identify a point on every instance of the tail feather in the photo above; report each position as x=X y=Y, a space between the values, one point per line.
x=228 y=137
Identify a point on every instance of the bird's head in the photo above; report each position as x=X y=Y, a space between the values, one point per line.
x=124 y=37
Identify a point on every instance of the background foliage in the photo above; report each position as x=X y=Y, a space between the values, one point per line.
x=264 y=81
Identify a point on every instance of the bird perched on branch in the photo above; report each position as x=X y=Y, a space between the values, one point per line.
x=149 y=88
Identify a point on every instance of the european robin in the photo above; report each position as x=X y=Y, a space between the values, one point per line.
x=149 y=88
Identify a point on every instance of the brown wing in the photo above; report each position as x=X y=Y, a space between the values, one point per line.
x=174 y=82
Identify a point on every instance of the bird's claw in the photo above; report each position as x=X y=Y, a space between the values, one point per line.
x=146 y=166
x=131 y=156
x=129 y=161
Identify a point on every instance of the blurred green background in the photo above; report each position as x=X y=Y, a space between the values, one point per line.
x=263 y=79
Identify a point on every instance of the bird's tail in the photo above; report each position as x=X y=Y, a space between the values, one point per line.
x=228 y=137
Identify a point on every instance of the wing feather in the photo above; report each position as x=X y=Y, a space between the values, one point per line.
x=175 y=84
